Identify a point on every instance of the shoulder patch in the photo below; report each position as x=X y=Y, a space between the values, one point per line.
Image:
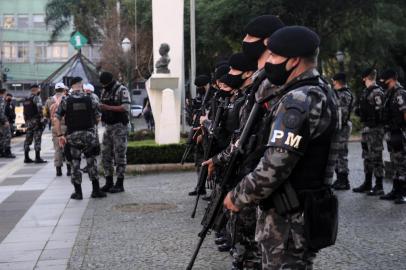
x=292 y=118
x=378 y=100
x=400 y=100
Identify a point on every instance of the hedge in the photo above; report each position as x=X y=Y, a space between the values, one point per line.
x=148 y=152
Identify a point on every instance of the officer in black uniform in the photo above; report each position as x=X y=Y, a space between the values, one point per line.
x=10 y=111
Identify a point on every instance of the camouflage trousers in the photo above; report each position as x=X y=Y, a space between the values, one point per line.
x=83 y=142
x=5 y=137
x=397 y=153
x=34 y=132
x=114 y=149
x=372 y=147
x=342 y=151
x=242 y=229
x=282 y=241
x=59 y=155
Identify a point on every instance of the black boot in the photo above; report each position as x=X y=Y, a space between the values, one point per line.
x=118 y=187
x=97 y=193
x=77 y=195
x=342 y=182
x=7 y=153
x=377 y=190
x=401 y=194
x=68 y=170
x=27 y=158
x=109 y=184
x=390 y=196
x=38 y=158
x=58 y=171
x=366 y=186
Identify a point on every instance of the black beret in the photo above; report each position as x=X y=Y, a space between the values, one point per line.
x=368 y=71
x=340 y=77
x=240 y=61
x=294 y=41
x=263 y=26
x=76 y=80
x=202 y=80
x=389 y=74
x=220 y=71
x=9 y=95
x=106 y=78
x=34 y=86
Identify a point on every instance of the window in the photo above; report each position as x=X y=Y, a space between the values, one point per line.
x=9 y=21
x=40 y=51
x=57 y=52
x=38 y=21
x=15 y=51
x=22 y=21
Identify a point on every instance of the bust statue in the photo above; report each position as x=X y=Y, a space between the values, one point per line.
x=162 y=64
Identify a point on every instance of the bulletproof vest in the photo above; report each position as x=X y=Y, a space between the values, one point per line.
x=110 y=117
x=368 y=114
x=30 y=108
x=394 y=116
x=309 y=172
x=79 y=114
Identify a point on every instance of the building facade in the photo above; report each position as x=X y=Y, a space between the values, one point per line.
x=26 y=55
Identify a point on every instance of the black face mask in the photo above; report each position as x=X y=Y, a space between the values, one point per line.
x=277 y=74
x=253 y=50
x=234 y=81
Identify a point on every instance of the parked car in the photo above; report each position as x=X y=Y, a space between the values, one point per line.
x=136 y=111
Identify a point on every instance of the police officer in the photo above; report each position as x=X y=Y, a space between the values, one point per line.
x=395 y=117
x=33 y=116
x=370 y=111
x=346 y=99
x=81 y=113
x=50 y=108
x=115 y=106
x=299 y=151
x=5 y=131
x=10 y=112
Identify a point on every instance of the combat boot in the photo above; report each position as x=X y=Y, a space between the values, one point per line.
x=27 y=158
x=390 y=196
x=77 y=195
x=68 y=170
x=38 y=158
x=1 y=152
x=401 y=194
x=97 y=193
x=8 y=154
x=118 y=187
x=58 y=171
x=219 y=241
x=377 y=190
x=224 y=247
x=342 y=182
x=366 y=186
x=109 y=184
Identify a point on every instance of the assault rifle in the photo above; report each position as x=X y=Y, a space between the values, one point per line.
x=207 y=154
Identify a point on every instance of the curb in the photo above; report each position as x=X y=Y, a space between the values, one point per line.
x=153 y=168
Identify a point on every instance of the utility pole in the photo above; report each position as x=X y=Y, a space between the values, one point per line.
x=135 y=36
x=118 y=8
x=192 y=48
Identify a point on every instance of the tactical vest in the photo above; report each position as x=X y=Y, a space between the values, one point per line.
x=393 y=116
x=368 y=114
x=110 y=117
x=79 y=114
x=30 y=108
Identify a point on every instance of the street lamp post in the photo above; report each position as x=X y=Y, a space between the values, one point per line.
x=340 y=59
x=126 y=46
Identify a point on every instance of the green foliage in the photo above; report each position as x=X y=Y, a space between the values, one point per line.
x=356 y=124
x=148 y=152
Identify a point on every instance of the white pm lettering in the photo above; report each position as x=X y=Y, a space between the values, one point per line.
x=277 y=134
x=293 y=140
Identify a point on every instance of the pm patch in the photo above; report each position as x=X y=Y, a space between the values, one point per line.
x=292 y=119
x=400 y=100
x=378 y=100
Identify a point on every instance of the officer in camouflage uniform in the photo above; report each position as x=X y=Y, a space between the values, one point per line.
x=346 y=99
x=34 y=122
x=370 y=111
x=5 y=131
x=395 y=118
x=115 y=106
x=81 y=113
x=299 y=151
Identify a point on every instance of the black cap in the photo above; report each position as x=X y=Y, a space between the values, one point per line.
x=389 y=74
x=221 y=70
x=34 y=86
x=220 y=64
x=9 y=94
x=106 y=78
x=366 y=72
x=263 y=26
x=240 y=61
x=202 y=80
x=340 y=77
x=76 y=80
x=294 y=41
x=2 y=90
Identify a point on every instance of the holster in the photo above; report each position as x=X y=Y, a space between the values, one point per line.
x=284 y=200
